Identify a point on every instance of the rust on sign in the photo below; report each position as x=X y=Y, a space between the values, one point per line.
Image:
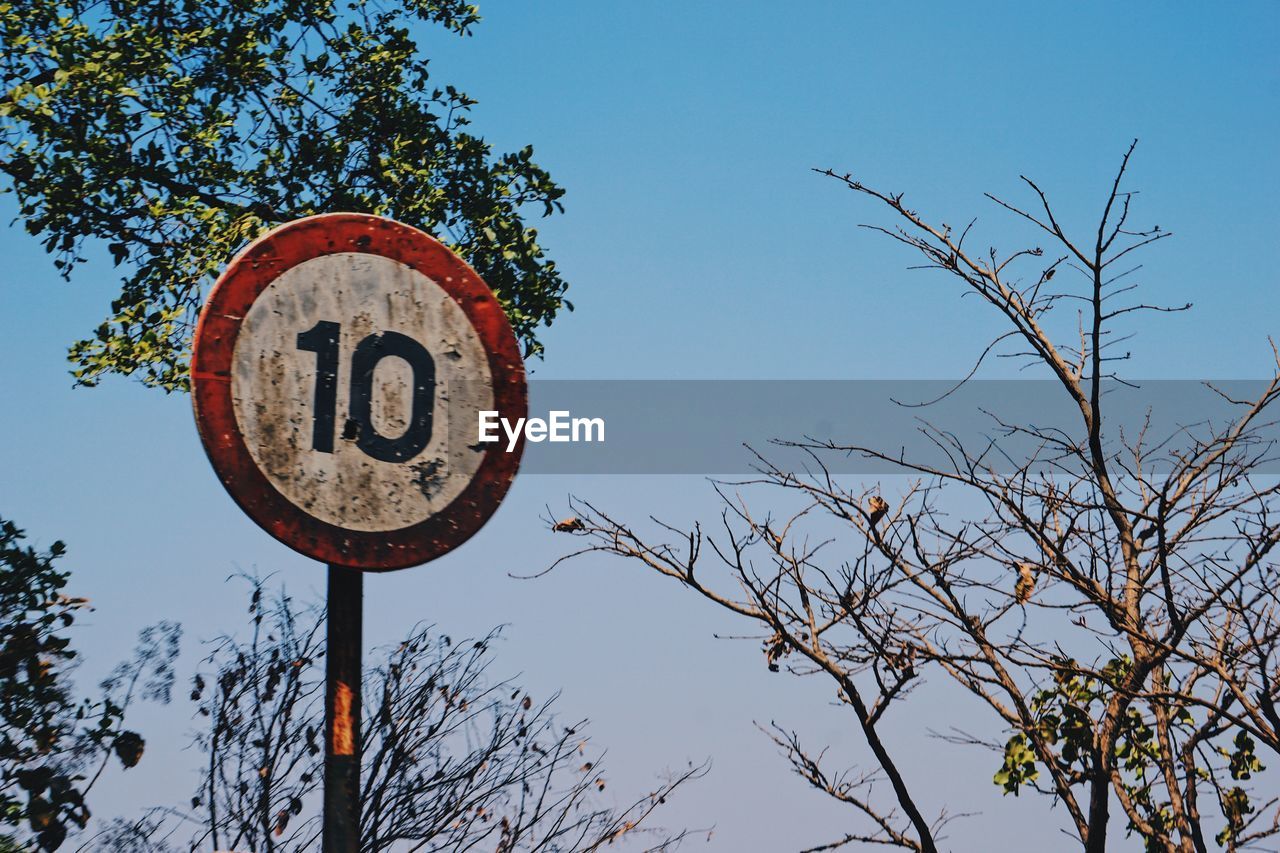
x=339 y=363
x=344 y=741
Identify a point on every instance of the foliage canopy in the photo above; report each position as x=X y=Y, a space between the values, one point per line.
x=174 y=131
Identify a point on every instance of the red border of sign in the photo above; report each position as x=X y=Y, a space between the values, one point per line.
x=215 y=339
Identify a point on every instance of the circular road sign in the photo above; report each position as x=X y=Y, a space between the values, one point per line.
x=339 y=368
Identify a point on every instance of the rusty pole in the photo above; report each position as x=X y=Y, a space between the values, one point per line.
x=342 y=711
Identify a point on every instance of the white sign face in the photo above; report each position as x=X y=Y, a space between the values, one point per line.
x=347 y=372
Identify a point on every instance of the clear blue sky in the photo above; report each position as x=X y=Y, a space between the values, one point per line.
x=698 y=244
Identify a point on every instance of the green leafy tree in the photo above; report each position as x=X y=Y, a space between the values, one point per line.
x=171 y=132
x=54 y=747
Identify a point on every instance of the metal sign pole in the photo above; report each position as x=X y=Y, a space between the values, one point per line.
x=342 y=711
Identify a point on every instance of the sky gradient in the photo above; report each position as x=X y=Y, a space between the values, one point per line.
x=698 y=243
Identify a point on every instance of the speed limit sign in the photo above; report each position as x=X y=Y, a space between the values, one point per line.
x=340 y=365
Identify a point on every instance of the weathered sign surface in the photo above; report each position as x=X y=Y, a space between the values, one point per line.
x=340 y=365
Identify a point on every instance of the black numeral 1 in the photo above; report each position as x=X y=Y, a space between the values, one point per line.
x=322 y=339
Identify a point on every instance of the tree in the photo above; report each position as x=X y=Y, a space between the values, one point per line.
x=53 y=747
x=172 y=132
x=451 y=760
x=1112 y=601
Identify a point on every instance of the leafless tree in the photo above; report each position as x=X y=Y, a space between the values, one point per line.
x=1111 y=601
x=451 y=760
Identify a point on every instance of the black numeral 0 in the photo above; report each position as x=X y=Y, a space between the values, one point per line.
x=322 y=339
